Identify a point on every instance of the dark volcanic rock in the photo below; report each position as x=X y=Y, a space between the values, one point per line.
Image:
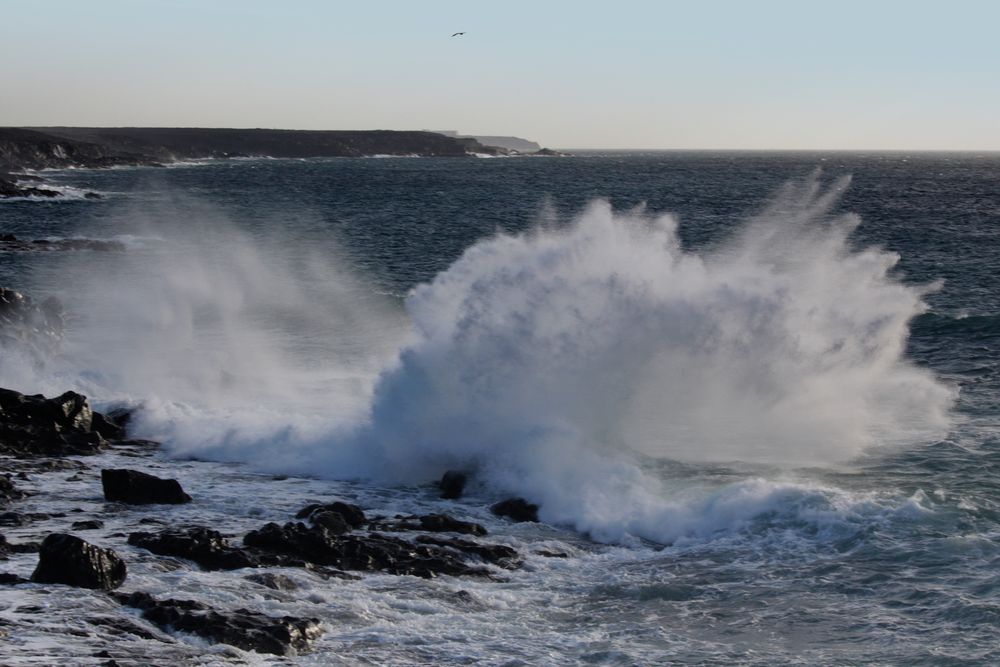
x=66 y=559
x=244 y=629
x=203 y=545
x=107 y=427
x=432 y=523
x=371 y=552
x=498 y=554
x=517 y=509
x=139 y=488
x=32 y=426
x=87 y=525
x=452 y=484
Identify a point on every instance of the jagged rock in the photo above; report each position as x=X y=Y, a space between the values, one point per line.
x=242 y=628
x=204 y=546
x=497 y=554
x=66 y=559
x=352 y=514
x=67 y=412
x=517 y=509
x=371 y=552
x=37 y=426
x=278 y=582
x=452 y=484
x=139 y=488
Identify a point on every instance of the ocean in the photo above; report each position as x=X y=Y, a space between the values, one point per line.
x=755 y=396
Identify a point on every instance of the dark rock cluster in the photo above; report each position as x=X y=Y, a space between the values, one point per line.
x=61 y=426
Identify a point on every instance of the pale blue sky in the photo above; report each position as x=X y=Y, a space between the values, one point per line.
x=625 y=74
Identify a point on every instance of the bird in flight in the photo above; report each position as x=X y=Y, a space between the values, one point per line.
x=457 y=34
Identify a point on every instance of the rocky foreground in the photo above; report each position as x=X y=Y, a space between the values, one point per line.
x=45 y=438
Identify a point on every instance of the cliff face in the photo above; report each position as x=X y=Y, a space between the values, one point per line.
x=28 y=149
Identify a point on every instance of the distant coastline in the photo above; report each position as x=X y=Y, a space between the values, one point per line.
x=24 y=148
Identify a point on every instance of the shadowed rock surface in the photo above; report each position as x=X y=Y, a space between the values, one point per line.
x=517 y=509
x=39 y=426
x=66 y=559
x=452 y=484
x=139 y=488
x=242 y=628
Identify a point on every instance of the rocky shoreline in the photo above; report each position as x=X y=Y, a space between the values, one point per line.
x=332 y=539
x=48 y=441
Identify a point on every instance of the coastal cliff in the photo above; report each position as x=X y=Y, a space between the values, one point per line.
x=42 y=147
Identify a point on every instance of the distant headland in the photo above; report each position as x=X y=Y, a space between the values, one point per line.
x=23 y=148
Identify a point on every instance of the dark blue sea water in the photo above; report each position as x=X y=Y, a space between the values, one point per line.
x=766 y=429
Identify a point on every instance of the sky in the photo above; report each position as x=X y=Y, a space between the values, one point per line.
x=712 y=74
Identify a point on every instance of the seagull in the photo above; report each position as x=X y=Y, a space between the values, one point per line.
x=457 y=34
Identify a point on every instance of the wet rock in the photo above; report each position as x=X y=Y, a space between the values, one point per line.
x=452 y=484
x=333 y=521
x=352 y=514
x=107 y=427
x=432 y=523
x=371 y=552
x=242 y=628
x=34 y=426
x=442 y=523
x=8 y=579
x=204 y=546
x=87 y=525
x=278 y=582
x=139 y=488
x=66 y=559
x=497 y=554
x=517 y=509
x=552 y=554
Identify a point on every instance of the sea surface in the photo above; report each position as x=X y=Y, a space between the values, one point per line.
x=756 y=395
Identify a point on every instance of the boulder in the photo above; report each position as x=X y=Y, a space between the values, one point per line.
x=139 y=488
x=452 y=484
x=248 y=630
x=517 y=509
x=93 y=524
x=66 y=559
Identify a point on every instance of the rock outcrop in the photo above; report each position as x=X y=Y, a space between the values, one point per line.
x=139 y=488
x=248 y=630
x=66 y=559
x=517 y=509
